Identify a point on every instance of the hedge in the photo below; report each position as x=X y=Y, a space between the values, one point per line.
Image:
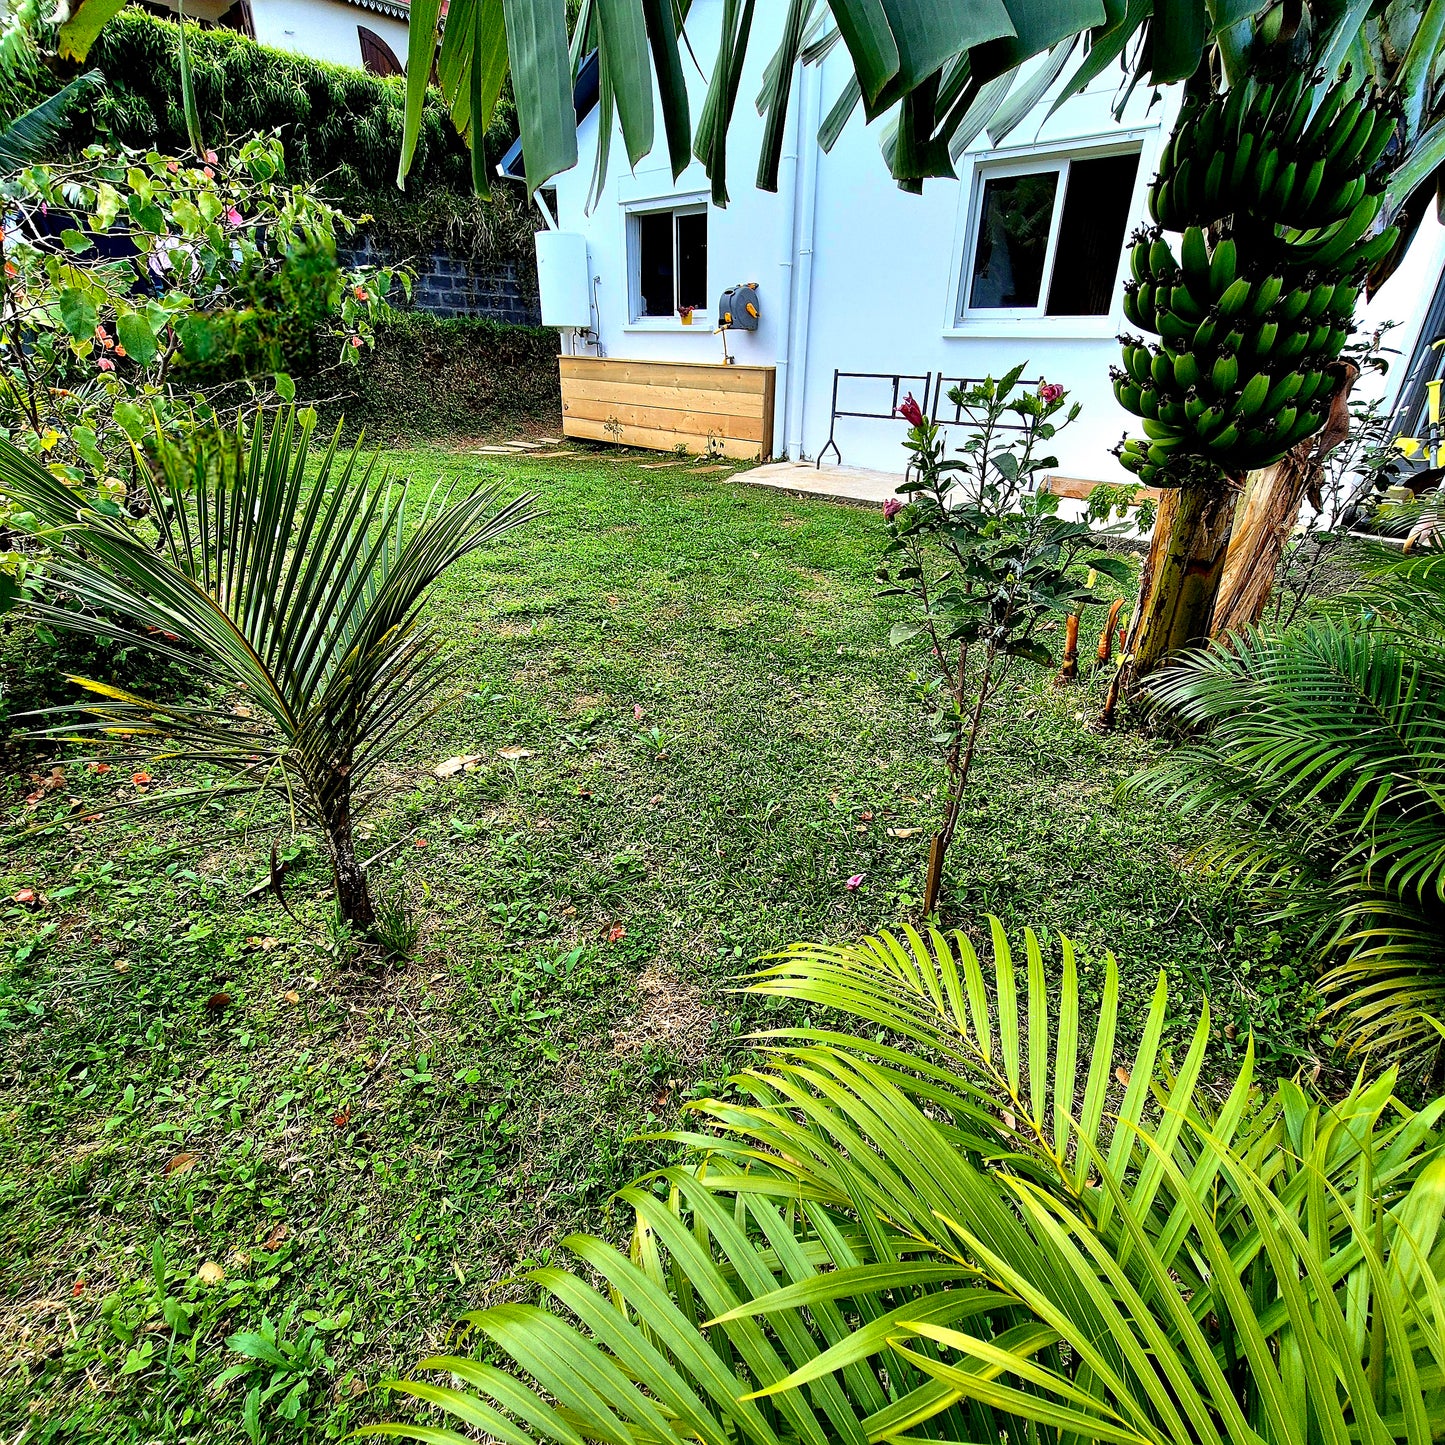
x=428 y=376
x=342 y=126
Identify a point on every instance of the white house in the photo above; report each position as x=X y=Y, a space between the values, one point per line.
x=369 y=34
x=1017 y=260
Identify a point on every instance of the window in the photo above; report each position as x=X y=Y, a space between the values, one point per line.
x=1047 y=236
x=668 y=260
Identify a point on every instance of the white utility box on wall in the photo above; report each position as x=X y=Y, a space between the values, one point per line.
x=563 y=279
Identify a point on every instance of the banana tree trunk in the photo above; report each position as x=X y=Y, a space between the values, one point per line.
x=1180 y=578
x=1268 y=510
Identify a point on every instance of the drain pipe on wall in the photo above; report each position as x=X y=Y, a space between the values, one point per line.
x=787 y=229
x=810 y=109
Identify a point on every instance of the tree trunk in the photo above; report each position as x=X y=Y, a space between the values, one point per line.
x=1268 y=509
x=1180 y=578
x=353 y=897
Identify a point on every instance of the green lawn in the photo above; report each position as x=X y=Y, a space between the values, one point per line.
x=716 y=736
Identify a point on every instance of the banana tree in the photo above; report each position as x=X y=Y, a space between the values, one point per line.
x=1220 y=537
x=975 y=1220
x=291 y=590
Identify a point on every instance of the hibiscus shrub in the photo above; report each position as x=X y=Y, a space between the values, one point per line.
x=981 y=561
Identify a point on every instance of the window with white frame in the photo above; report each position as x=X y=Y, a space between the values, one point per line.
x=1046 y=235
x=667 y=260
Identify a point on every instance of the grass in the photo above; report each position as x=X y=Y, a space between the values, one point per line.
x=216 y=1126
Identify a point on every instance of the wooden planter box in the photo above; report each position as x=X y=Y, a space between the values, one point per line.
x=662 y=405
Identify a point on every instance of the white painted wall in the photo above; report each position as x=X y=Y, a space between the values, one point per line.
x=324 y=29
x=886 y=264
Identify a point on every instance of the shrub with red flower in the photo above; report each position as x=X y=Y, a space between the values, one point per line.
x=1050 y=392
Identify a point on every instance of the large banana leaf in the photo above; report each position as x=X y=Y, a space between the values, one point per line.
x=924 y=1239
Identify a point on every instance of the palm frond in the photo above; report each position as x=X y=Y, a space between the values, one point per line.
x=35 y=132
x=292 y=590
x=1322 y=754
x=838 y=1260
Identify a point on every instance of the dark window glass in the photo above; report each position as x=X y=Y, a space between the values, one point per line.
x=1013 y=238
x=1091 y=235
x=692 y=260
x=654 y=263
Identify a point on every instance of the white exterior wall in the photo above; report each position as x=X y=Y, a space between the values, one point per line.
x=886 y=264
x=324 y=29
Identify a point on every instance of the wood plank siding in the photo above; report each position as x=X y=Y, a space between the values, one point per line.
x=661 y=405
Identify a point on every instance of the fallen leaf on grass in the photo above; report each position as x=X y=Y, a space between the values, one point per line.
x=455 y=765
x=26 y=897
x=637 y=712
x=141 y=779
x=616 y=933
x=514 y=755
x=264 y=944
x=182 y=1163
x=211 y=1273
x=217 y=1002
x=122 y=965
x=291 y=996
x=341 y=1118
x=1122 y=1074
x=278 y=1232
x=654 y=800
x=77 y=1289
x=903 y=832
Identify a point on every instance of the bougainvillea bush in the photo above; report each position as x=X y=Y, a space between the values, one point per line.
x=143 y=293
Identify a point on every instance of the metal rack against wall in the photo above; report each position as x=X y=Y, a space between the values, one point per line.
x=897 y=389
x=934 y=388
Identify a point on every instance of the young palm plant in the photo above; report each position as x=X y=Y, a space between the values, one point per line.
x=295 y=598
x=1323 y=747
x=975 y=1224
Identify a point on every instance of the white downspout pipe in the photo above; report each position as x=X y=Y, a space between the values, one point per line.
x=810 y=112
x=787 y=230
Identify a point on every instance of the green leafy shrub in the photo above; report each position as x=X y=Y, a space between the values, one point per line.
x=342 y=130
x=425 y=376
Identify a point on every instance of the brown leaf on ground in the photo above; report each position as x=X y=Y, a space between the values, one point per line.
x=211 y=1273
x=1122 y=1074
x=182 y=1163
x=279 y=1231
x=217 y=1002
x=903 y=832
x=455 y=765
x=514 y=755
x=291 y=997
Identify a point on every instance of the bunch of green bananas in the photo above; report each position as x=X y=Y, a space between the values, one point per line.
x=1273 y=195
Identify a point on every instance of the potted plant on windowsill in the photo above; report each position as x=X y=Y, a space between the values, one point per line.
x=685 y=314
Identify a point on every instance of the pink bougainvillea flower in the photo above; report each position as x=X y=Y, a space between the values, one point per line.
x=100 y=333
x=356 y=341
x=1050 y=392
x=105 y=364
x=173 y=166
x=891 y=508
x=616 y=933
x=854 y=883
x=910 y=411
x=212 y=157
x=120 y=351
x=209 y=174
x=234 y=217
x=360 y=294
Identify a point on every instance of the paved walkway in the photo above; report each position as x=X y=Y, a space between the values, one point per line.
x=858 y=485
